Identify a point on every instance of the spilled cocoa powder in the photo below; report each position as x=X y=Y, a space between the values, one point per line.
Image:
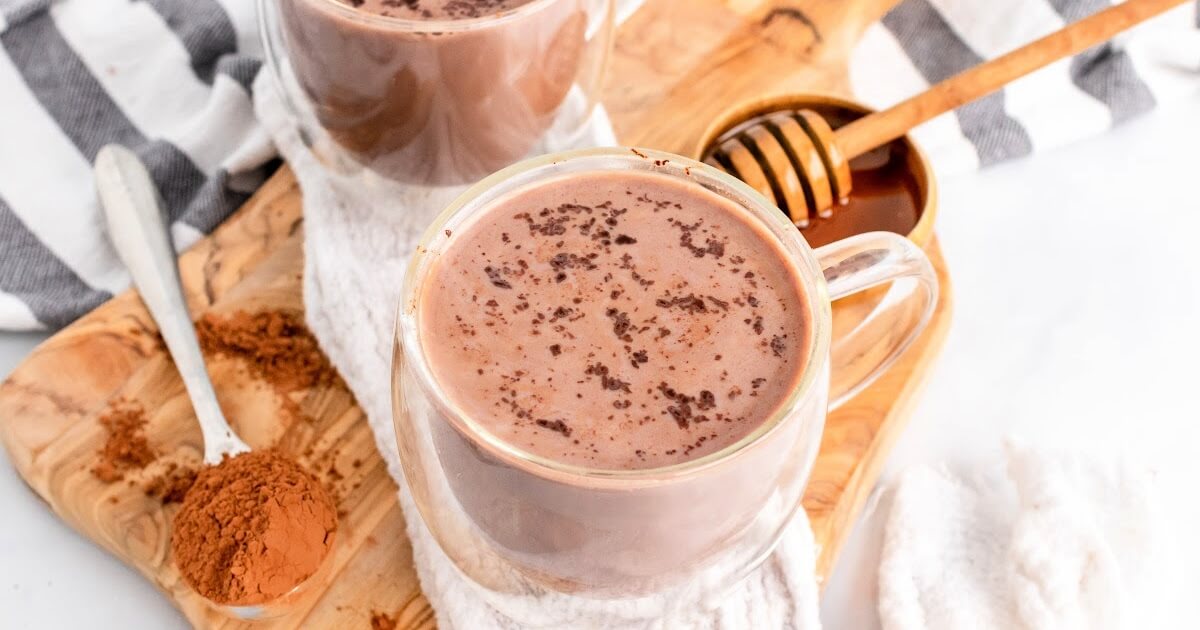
x=382 y=621
x=276 y=346
x=126 y=447
x=172 y=484
x=252 y=528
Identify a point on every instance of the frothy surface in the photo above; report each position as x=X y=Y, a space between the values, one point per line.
x=435 y=9
x=615 y=321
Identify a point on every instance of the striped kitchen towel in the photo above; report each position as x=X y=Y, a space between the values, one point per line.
x=171 y=78
x=168 y=78
x=921 y=42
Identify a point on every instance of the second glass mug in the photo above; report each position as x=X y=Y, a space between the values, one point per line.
x=437 y=101
x=676 y=537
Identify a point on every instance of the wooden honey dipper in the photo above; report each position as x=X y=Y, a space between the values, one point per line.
x=795 y=158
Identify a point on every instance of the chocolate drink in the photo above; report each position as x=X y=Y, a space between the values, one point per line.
x=619 y=321
x=615 y=321
x=411 y=93
x=436 y=9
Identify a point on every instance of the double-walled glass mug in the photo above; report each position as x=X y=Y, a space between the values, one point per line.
x=521 y=525
x=436 y=101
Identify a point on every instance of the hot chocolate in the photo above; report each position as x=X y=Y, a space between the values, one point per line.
x=612 y=369
x=435 y=9
x=442 y=91
x=615 y=321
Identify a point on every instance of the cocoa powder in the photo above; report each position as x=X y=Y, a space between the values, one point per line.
x=382 y=621
x=126 y=447
x=276 y=346
x=252 y=528
x=172 y=484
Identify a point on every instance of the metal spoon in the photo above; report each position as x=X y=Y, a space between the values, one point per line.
x=138 y=230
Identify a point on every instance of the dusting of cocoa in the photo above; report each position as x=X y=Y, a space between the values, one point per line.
x=172 y=484
x=276 y=346
x=126 y=447
x=382 y=621
x=252 y=528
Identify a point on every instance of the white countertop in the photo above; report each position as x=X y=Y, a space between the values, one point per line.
x=1077 y=321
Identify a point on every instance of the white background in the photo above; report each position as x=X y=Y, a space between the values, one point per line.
x=1077 y=322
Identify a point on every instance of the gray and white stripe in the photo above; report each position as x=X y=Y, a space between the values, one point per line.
x=939 y=53
x=921 y=42
x=1106 y=72
x=170 y=79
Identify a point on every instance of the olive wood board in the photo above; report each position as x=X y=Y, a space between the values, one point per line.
x=675 y=67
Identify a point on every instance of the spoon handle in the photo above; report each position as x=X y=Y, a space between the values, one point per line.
x=872 y=131
x=139 y=233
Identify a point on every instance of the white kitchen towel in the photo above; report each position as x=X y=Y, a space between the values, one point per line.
x=1060 y=541
x=359 y=234
x=921 y=42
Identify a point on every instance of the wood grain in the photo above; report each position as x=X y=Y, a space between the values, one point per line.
x=676 y=66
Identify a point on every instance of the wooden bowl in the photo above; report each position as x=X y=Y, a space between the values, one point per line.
x=900 y=163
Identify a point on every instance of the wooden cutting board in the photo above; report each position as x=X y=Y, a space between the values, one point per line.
x=675 y=66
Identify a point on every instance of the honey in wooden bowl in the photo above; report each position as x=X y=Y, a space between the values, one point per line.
x=893 y=188
x=893 y=191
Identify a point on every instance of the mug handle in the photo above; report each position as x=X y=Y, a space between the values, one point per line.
x=861 y=262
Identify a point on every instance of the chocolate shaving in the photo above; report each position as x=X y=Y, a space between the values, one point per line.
x=607 y=382
x=497 y=280
x=721 y=304
x=681 y=411
x=688 y=303
x=558 y=426
x=621 y=323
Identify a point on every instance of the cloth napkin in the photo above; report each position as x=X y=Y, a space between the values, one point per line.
x=921 y=42
x=359 y=234
x=168 y=78
x=1059 y=540
x=171 y=79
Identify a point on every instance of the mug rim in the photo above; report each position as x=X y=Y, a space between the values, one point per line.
x=410 y=351
x=411 y=25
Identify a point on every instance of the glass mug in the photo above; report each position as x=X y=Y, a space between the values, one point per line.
x=436 y=102
x=674 y=537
